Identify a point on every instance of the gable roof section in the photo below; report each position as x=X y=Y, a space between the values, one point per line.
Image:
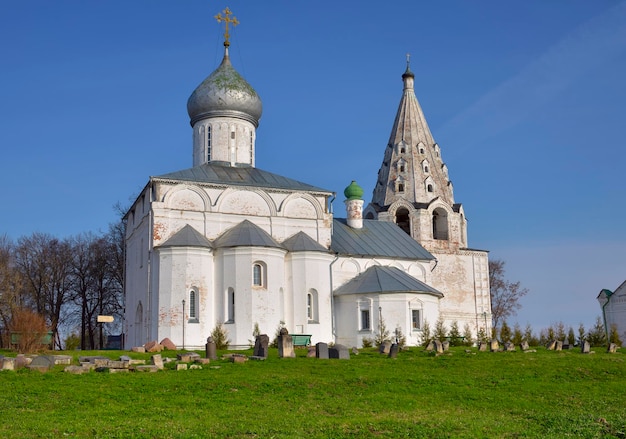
x=239 y=176
x=245 y=234
x=187 y=237
x=301 y=242
x=376 y=238
x=385 y=280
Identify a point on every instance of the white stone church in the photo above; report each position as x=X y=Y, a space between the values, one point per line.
x=226 y=242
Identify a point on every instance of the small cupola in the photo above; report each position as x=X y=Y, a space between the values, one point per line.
x=354 y=205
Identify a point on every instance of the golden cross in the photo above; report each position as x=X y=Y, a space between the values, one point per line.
x=226 y=19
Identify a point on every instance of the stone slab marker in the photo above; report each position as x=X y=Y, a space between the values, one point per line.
x=558 y=346
x=438 y=347
x=494 y=345
x=611 y=348
x=384 y=347
x=285 y=345
x=210 y=349
x=339 y=351
x=524 y=345
x=482 y=346
x=585 y=348
x=393 y=351
x=445 y=345
x=551 y=345
x=261 y=344
x=321 y=350
x=157 y=361
x=430 y=346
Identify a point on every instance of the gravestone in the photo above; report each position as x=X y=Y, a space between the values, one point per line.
x=482 y=346
x=210 y=349
x=393 y=351
x=321 y=350
x=430 y=346
x=438 y=347
x=310 y=352
x=42 y=363
x=445 y=345
x=384 y=347
x=611 y=348
x=339 y=351
x=168 y=344
x=157 y=361
x=355 y=350
x=261 y=344
x=524 y=345
x=285 y=345
x=558 y=346
x=585 y=347
x=551 y=345
x=509 y=347
x=8 y=363
x=153 y=346
x=494 y=345
x=181 y=366
x=138 y=349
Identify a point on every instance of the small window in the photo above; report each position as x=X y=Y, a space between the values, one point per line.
x=230 y=301
x=259 y=274
x=400 y=187
x=421 y=150
x=193 y=311
x=208 y=143
x=429 y=188
x=416 y=323
x=401 y=168
x=402 y=150
x=311 y=306
x=232 y=134
x=426 y=169
x=365 y=320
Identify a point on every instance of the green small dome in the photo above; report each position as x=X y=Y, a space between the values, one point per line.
x=353 y=191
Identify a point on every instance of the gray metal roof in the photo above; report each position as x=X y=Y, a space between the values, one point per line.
x=187 y=237
x=222 y=174
x=245 y=234
x=301 y=242
x=376 y=238
x=385 y=280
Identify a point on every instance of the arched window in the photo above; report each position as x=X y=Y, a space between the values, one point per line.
x=230 y=306
x=311 y=306
x=440 y=224
x=193 y=306
x=400 y=187
x=403 y=221
x=208 y=143
x=426 y=169
x=429 y=188
x=259 y=275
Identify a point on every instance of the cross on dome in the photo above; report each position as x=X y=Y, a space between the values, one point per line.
x=227 y=20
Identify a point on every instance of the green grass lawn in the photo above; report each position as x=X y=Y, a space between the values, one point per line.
x=545 y=394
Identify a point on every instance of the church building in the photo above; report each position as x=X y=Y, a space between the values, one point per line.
x=224 y=242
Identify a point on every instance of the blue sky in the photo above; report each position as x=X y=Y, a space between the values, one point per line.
x=526 y=99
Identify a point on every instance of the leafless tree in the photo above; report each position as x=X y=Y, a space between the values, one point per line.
x=505 y=295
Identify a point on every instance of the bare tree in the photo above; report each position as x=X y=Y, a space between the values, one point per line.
x=505 y=295
x=45 y=266
x=9 y=294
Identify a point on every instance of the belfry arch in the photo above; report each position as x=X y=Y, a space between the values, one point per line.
x=403 y=220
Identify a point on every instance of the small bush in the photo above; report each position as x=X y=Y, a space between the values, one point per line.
x=614 y=335
x=440 y=330
x=454 y=334
x=382 y=335
x=72 y=342
x=367 y=342
x=31 y=328
x=274 y=342
x=220 y=336
x=596 y=335
x=468 y=340
x=505 y=332
x=426 y=336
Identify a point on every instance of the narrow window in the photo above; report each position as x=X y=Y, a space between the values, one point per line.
x=400 y=187
x=208 y=143
x=426 y=169
x=259 y=270
x=251 y=146
x=230 y=297
x=402 y=150
x=401 y=168
x=429 y=188
x=309 y=306
x=440 y=224
x=415 y=319
x=192 y=305
x=257 y=273
x=365 y=320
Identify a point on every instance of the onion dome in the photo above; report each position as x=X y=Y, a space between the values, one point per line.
x=353 y=191
x=225 y=94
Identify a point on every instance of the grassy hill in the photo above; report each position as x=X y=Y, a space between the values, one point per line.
x=544 y=394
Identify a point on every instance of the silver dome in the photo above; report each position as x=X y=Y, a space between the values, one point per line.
x=225 y=93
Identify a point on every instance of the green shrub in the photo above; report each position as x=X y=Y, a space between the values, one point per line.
x=440 y=330
x=614 y=335
x=72 y=342
x=220 y=336
x=426 y=336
